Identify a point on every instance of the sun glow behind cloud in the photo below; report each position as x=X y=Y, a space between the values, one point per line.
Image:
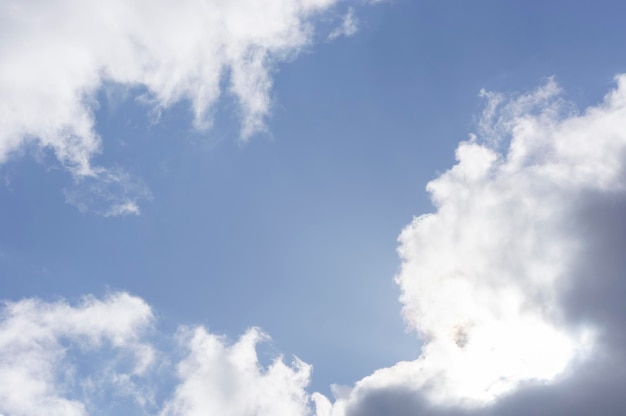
x=479 y=277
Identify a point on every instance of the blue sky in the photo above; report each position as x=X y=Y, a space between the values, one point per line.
x=292 y=225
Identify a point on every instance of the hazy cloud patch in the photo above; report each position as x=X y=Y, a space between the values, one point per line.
x=349 y=26
x=109 y=193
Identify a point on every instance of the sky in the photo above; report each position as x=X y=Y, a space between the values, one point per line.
x=312 y=207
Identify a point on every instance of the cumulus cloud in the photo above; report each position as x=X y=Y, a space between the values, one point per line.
x=110 y=193
x=515 y=283
x=56 y=55
x=217 y=379
x=36 y=337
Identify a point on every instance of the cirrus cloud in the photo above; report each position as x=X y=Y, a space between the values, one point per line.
x=228 y=380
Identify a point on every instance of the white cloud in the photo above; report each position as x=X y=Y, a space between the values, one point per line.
x=217 y=379
x=36 y=372
x=94 y=358
x=512 y=283
x=57 y=54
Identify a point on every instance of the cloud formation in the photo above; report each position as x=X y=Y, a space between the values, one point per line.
x=513 y=283
x=217 y=379
x=56 y=55
x=110 y=193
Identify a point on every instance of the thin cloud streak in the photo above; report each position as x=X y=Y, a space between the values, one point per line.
x=349 y=26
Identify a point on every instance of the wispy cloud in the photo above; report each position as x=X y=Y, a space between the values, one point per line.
x=349 y=26
x=57 y=54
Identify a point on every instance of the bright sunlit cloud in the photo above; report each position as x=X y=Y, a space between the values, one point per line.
x=228 y=380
